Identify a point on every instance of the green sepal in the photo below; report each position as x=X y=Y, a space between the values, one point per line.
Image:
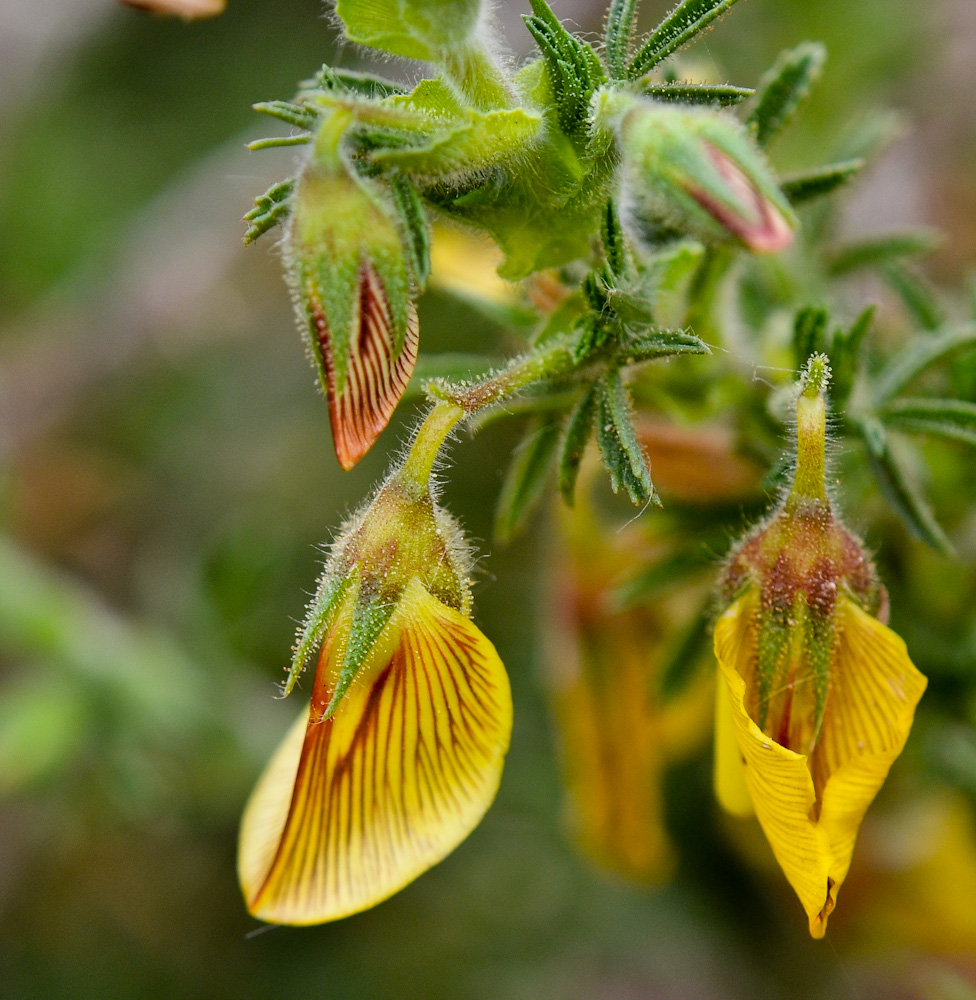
x=269 y=209
x=574 y=69
x=413 y=220
x=622 y=453
x=417 y=29
x=298 y=115
x=784 y=88
x=809 y=334
x=807 y=185
x=369 y=619
x=526 y=478
x=917 y=355
x=721 y=95
x=949 y=418
x=918 y=296
x=687 y=20
x=617 y=36
x=650 y=345
x=896 y=487
x=576 y=436
x=880 y=250
x=341 y=222
x=332 y=591
x=845 y=357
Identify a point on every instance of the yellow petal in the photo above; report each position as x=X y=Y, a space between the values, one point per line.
x=353 y=808
x=778 y=780
x=874 y=690
x=873 y=693
x=729 y=776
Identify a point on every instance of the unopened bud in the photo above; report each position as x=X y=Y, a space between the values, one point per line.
x=354 y=286
x=699 y=171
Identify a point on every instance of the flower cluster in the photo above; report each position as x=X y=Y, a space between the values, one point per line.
x=618 y=199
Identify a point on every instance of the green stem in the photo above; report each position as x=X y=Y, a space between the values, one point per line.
x=556 y=359
x=473 y=73
x=423 y=452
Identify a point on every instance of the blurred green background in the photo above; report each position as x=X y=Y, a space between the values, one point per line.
x=166 y=475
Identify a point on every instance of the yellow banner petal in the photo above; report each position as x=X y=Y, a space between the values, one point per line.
x=353 y=808
x=873 y=693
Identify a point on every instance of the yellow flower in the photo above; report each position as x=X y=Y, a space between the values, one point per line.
x=816 y=695
x=354 y=807
x=400 y=752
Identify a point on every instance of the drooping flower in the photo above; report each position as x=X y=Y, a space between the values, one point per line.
x=400 y=752
x=816 y=695
x=618 y=733
x=357 y=267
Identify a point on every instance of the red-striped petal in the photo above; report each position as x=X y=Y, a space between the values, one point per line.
x=375 y=374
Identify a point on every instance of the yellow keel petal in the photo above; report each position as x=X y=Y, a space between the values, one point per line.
x=388 y=786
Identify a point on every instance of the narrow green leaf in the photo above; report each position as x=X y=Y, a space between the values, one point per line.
x=809 y=334
x=719 y=94
x=293 y=114
x=280 y=140
x=949 y=418
x=654 y=344
x=688 y=19
x=527 y=475
x=622 y=453
x=808 y=185
x=269 y=209
x=917 y=355
x=896 y=487
x=576 y=436
x=845 y=357
x=354 y=81
x=368 y=621
x=879 y=250
x=574 y=69
x=646 y=585
x=917 y=294
x=784 y=88
x=618 y=35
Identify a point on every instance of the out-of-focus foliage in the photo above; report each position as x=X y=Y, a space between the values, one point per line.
x=166 y=472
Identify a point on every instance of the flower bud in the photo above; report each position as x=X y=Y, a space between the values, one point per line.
x=699 y=171
x=816 y=696
x=400 y=751
x=354 y=285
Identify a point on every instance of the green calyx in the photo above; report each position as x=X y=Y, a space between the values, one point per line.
x=402 y=535
x=343 y=226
